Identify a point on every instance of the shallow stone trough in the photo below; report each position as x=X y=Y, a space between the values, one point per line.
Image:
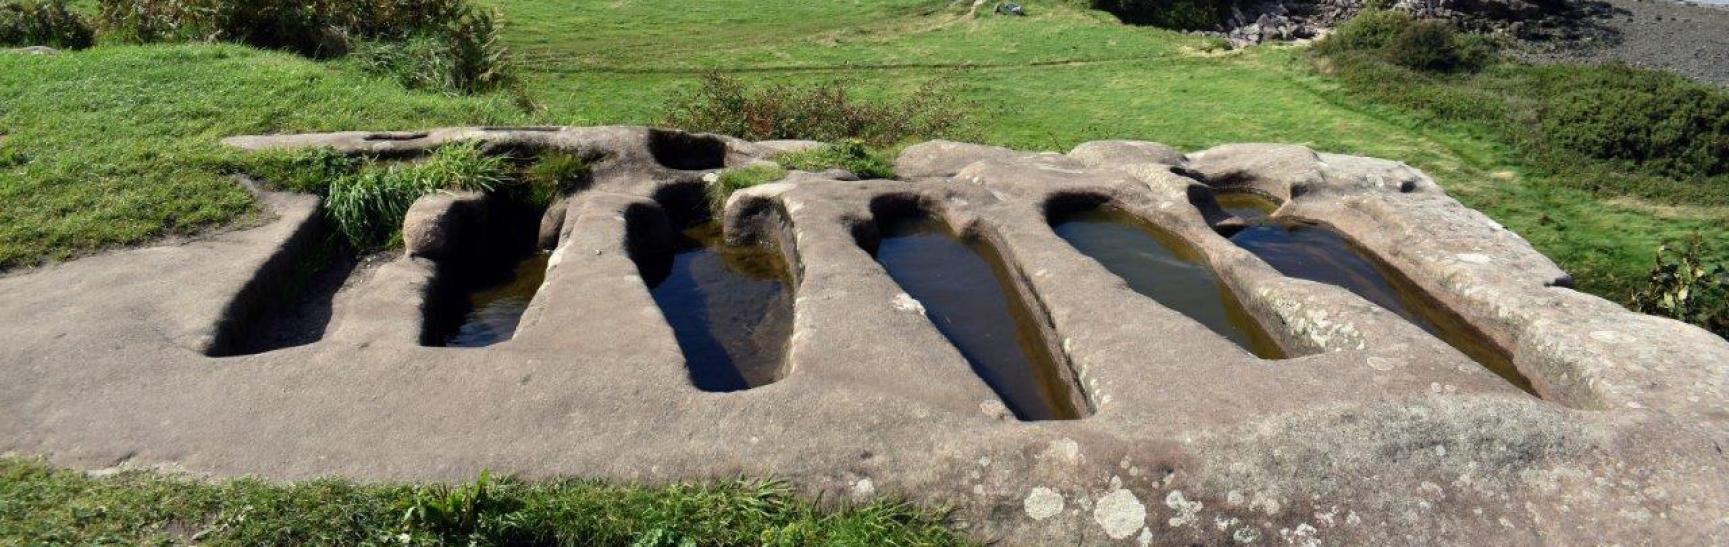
x=1041 y=377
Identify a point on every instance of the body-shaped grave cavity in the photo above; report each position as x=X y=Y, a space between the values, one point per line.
x=728 y=306
x=967 y=294
x=1157 y=265
x=1317 y=253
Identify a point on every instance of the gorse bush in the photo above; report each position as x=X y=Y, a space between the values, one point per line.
x=825 y=112
x=1611 y=129
x=445 y=45
x=368 y=206
x=43 y=23
x=1683 y=286
x=852 y=155
x=1172 y=14
x=1659 y=122
x=1428 y=45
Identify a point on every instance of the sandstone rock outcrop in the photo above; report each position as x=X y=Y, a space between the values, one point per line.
x=1370 y=432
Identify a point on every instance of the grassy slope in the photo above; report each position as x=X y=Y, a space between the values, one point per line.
x=1065 y=76
x=123 y=138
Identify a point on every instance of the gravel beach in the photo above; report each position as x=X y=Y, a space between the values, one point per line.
x=1688 y=39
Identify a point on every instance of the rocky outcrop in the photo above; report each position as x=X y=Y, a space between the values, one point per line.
x=1371 y=431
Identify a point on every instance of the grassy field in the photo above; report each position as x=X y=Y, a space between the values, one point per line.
x=120 y=141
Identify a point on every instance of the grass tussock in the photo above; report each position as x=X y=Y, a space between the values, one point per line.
x=43 y=23
x=733 y=180
x=48 y=506
x=368 y=205
x=851 y=155
x=824 y=112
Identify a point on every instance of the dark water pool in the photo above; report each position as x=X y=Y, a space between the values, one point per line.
x=1161 y=268
x=1317 y=253
x=495 y=310
x=965 y=292
x=729 y=308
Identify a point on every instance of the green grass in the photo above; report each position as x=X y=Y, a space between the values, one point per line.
x=41 y=505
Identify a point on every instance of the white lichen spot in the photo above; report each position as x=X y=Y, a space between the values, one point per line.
x=1223 y=523
x=1120 y=513
x=984 y=461
x=1146 y=537
x=1116 y=482
x=1473 y=258
x=1383 y=364
x=994 y=409
x=1065 y=449
x=1184 y=510
x=1234 y=498
x=864 y=488
x=1043 y=503
x=1246 y=536
x=906 y=302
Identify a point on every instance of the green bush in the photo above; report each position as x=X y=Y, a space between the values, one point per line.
x=1658 y=122
x=852 y=155
x=43 y=23
x=1428 y=45
x=825 y=112
x=1172 y=14
x=368 y=206
x=464 y=55
x=1683 y=286
x=315 y=28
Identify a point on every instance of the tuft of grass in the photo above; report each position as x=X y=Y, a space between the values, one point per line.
x=43 y=23
x=368 y=206
x=852 y=155
x=824 y=112
x=733 y=180
x=43 y=505
x=553 y=175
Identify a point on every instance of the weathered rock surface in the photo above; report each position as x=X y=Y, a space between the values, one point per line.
x=1373 y=432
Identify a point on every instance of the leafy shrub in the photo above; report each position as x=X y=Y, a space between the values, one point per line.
x=1428 y=45
x=733 y=180
x=43 y=23
x=1682 y=286
x=317 y=28
x=463 y=55
x=1658 y=122
x=825 y=112
x=1172 y=14
x=368 y=206
x=851 y=155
